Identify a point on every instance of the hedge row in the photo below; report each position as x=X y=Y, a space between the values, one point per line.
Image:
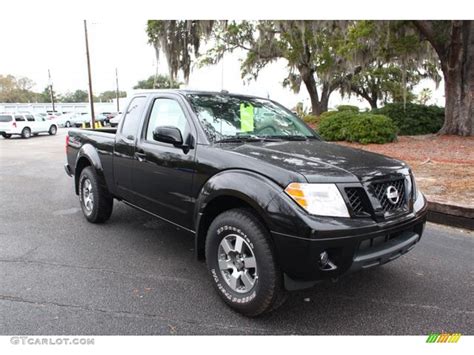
x=379 y=125
x=364 y=128
x=414 y=119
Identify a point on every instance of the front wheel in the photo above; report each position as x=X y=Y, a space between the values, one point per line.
x=6 y=136
x=241 y=261
x=96 y=202
x=68 y=124
x=52 y=130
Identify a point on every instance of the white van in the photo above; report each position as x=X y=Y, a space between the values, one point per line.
x=25 y=125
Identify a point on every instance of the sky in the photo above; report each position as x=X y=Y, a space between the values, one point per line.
x=32 y=47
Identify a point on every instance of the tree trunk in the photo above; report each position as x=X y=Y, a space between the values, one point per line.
x=372 y=102
x=325 y=93
x=458 y=70
x=308 y=79
x=371 y=98
x=457 y=62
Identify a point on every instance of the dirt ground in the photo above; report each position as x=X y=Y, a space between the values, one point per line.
x=443 y=165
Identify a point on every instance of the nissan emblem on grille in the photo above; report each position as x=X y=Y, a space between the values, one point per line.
x=392 y=195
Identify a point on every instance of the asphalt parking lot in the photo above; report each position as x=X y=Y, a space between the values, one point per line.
x=61 y=275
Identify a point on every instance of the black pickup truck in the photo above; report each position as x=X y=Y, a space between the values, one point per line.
x=272 y=207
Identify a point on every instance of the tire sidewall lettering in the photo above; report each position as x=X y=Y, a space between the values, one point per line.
x=227 y=228
x=228 y=295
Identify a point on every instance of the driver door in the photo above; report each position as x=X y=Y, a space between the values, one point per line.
x=163 y=173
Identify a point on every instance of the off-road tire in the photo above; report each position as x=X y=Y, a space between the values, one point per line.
x=267 y=292
x=103 y=203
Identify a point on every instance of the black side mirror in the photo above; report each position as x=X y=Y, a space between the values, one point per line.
x=168 y=134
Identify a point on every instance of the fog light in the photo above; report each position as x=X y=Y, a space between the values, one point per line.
x=323 y=258
x=325 y=264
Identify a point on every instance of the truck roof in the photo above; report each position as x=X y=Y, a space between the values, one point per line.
x=195 y=92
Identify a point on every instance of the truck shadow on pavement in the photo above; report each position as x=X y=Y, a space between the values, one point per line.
x=352 y=305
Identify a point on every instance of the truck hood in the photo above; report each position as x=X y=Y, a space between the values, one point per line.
x=320 y=161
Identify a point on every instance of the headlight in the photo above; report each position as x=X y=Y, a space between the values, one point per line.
x=318 y=199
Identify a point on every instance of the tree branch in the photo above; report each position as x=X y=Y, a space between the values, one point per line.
x=426 y=29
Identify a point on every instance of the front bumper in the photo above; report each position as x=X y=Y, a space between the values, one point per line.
x=352 y=244
x=385 y=252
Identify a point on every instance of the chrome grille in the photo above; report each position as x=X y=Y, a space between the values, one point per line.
x=380 y=192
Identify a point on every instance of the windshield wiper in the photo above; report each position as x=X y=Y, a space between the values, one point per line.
x=247 y=138
x=294 y=137
x=239 y=139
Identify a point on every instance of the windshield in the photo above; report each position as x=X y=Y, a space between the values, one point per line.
x=226 y=118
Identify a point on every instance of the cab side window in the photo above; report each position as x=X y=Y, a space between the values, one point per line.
x=132 y=117
x=19 y=118
x=167 y=112
x=30 y=118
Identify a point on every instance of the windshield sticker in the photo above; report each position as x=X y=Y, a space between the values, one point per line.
x=246 y=117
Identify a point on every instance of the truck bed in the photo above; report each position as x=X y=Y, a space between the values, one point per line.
x=98 y=130
x=100 y=140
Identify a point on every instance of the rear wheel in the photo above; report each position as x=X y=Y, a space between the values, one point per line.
x=26 y=133
x=242 y=265
x=6 y=136
x=52 y=130
x=68 y=124
x=96 y=202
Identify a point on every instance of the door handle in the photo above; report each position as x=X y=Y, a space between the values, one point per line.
x=140 y=156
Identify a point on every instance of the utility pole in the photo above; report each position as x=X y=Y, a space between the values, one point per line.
x=118 y=92
x=91 y=96
x=51 y=93
x=222 y=73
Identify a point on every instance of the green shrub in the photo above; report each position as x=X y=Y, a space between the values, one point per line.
x=311 y=119
x=348 y=108
x=333 y=125
x=414 y=118
x=328 y=114
x=357 y=127
x=369 y=128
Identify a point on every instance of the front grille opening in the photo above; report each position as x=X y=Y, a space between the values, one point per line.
x=377 y=241
x=358 y=201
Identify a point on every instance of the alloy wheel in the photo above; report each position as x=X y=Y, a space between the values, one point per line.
x=87 y=195
x=237 y=263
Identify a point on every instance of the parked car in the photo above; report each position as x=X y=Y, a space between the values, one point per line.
x=108 y=115
x=80 y=118
x=116 y=120
x=25 y=125
x=42 y=114
x=102 y=118
x=63 y=120
x=86 y=118
x=67 y=119
x=271 y=206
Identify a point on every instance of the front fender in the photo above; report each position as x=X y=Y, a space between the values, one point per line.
x=252 y=188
